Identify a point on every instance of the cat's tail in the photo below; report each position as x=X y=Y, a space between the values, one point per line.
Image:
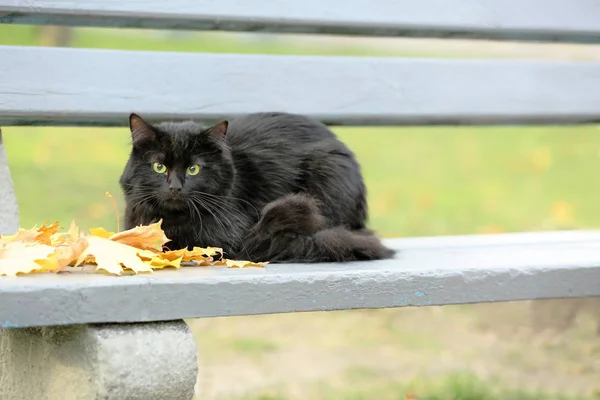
x=328 y=245
x=292 y=230
x=340 y=244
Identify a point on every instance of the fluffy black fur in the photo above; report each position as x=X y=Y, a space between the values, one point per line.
x=272 y=187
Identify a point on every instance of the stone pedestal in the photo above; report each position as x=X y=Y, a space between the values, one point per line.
x=141 y=361
x=9 y=212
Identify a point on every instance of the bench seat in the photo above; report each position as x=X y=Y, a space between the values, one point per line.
x=426 y=271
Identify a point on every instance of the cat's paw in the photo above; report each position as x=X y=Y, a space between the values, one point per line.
x=293 y=214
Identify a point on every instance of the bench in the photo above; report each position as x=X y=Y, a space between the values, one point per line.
x=103 y=337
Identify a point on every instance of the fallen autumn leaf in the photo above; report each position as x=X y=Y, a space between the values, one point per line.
x=44 y=249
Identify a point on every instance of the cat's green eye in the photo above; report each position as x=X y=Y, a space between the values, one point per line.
x=193 y=169
x=159 y=168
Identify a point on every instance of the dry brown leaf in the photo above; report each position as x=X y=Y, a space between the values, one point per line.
x=112 y=256
x=145 y=237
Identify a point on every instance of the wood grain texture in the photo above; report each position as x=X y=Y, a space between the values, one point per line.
x=548 y=20
x=427 y=271
x=101 y=87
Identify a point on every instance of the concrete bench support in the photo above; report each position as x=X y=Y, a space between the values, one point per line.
x=9 y=212
x=140 y=361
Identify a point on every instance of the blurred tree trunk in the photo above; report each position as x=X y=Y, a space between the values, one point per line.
x=58 y=36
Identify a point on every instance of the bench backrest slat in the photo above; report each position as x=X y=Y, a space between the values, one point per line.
x=100 y=87
x=547 y=20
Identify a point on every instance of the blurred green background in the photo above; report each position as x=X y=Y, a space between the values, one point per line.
x=421 y=181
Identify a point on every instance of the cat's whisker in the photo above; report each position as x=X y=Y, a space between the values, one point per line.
x=197 y=211
x=218 y=196
x=224 y=205
x=207 y=208
x=223 y=211
x=142 y=199
x=226 y=218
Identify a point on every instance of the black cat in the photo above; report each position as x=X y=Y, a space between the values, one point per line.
x=266 y=187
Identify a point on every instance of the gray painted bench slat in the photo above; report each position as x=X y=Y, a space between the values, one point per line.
x=552 y=20
x=427 y=271
x=100 y=87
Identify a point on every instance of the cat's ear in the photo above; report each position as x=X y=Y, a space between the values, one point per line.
x=141 y=131
x=219 y=130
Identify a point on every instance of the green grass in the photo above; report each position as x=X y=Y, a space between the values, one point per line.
x=453 y=387
x=252 y=346
x=421 y=181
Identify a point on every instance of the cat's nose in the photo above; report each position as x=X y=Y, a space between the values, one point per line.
x=175 y=185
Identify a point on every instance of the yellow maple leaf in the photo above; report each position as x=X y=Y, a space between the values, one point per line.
x=101 y=232
x=243 y=264
x=21 y=258
x=158 y=262
x=46 y=232
x=209 y=251
x=146 y=237
x=112 y=256
x=201 y=253
x=44 y=249
x=23 y=235
x=174 y=254
x=63 y=255
x=35 y=234
x=73 y=231
x=72 y=235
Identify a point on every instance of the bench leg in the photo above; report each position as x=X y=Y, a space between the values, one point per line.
x=9 y=212
x=145 y=361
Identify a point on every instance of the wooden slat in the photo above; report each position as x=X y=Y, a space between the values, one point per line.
x=426 y=272
x=552 y=20
x=101 y=87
